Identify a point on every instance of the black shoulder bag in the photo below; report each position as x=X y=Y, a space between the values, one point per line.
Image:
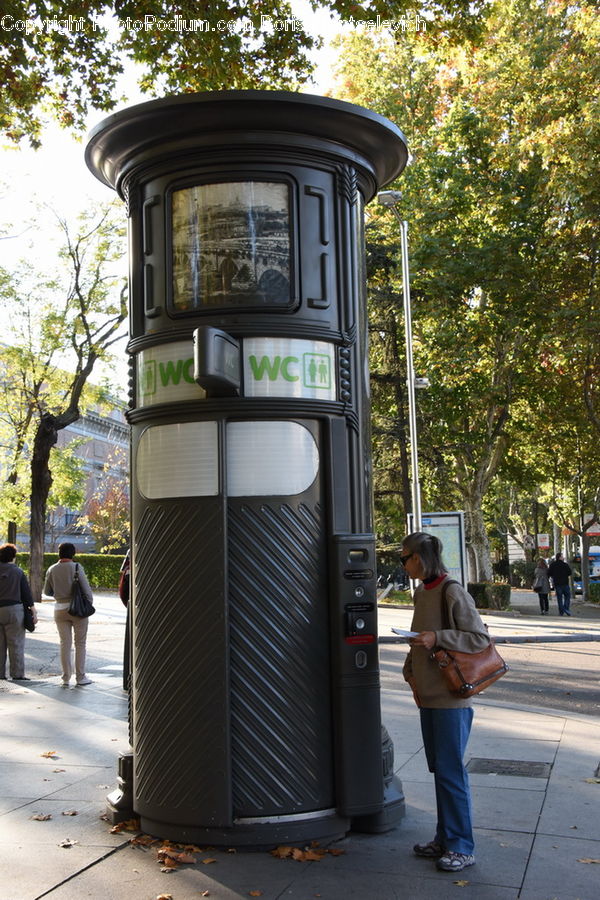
x=80 y=606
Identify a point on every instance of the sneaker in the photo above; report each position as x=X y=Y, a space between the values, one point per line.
x=455 y=862
x=432 y=850
x=83 y=681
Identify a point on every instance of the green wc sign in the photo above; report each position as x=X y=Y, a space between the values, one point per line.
x=272 y=367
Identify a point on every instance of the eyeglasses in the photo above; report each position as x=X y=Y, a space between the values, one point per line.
x=405 y=559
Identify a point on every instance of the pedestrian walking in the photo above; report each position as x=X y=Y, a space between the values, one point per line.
x=15 y=593
x=59 y=584
x=445 y=719
x=560 y=572
x=541 y=584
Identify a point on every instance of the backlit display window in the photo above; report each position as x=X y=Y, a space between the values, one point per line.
x=231 y=245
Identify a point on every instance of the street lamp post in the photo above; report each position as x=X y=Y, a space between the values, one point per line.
x=390 y=199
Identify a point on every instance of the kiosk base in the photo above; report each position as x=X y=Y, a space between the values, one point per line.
x=256 y=835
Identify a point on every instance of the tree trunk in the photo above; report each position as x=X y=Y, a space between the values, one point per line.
x=480 y=559
x=585 y=565
x=41 y=482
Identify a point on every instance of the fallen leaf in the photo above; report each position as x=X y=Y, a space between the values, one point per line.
x=255 y=893
x=143 y=840
x=313 y=855
x=56 y=771
x=165 y=897
x=282 y=852
x=592 y=780
x=68 y=843
x=49 y=754
x=461 y=883
x=205 y=894
x=70 y=812
x=167 y=869
x=335 y=852
x=208 y=861
x=297 y=854
x=587 y=860
x=167 y=853
x=41 y=817
x=128 y=825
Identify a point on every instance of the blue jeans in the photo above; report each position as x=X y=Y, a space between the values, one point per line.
x=563 y=597
x=445 y=736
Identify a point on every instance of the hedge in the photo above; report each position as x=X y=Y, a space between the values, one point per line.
x=490 y=595
x=522 y=573
x=102 y=570
x=594 y=592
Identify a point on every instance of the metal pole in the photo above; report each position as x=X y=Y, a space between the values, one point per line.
x=410 y=377
x=389 y=199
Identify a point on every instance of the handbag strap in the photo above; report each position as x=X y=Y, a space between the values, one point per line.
x=76 y=575
x=445 y=615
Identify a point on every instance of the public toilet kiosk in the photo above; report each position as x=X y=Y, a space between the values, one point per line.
x=255 y=701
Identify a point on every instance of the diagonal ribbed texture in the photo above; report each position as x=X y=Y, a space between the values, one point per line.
x=181 y=687
x=280 y=705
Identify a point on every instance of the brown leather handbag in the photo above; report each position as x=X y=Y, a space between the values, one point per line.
x=467 y=673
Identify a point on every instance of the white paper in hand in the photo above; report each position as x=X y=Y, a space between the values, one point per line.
x=403 y=633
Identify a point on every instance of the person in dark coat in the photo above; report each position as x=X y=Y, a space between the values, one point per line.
x=541 y=584
x=560 y=572
x=15 y=593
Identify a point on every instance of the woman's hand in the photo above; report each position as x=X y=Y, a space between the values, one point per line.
x=424 y=639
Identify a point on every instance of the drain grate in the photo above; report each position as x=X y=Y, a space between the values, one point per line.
x=520 y=767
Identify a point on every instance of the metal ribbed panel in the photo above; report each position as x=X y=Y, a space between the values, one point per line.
x=181 y=688
x=281 y=741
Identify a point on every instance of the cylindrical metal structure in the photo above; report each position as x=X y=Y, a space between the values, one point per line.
x=255 y=691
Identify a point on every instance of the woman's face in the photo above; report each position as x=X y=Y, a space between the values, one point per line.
x=412 y=564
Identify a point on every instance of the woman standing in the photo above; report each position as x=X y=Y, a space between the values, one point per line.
x=14 y=594
x=445 y=719
x=541 y=584
x=59 y=584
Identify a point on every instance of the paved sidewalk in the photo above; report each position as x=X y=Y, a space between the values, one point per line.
x=537 y=828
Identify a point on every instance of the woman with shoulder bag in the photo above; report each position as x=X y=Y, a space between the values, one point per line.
x=541 y=584
x=15 y=594
x=445 y=718
x=59 y=584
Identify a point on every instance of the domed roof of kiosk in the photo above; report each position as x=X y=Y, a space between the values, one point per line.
x=150 y=131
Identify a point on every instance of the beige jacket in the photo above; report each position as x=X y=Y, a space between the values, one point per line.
x=59 y=581
x=467 y=634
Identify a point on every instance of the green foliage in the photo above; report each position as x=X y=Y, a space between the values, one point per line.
x=107 y=511
x=489 y=595
x=478 y=591
x=102 y=570
x=49 y=62
x=594 y=592
x=59 y=324
x=521 y=573
x=504 y=264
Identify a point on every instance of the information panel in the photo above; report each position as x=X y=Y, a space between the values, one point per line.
x=449 y=527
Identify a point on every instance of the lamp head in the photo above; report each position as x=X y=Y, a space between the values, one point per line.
x=389 y=198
